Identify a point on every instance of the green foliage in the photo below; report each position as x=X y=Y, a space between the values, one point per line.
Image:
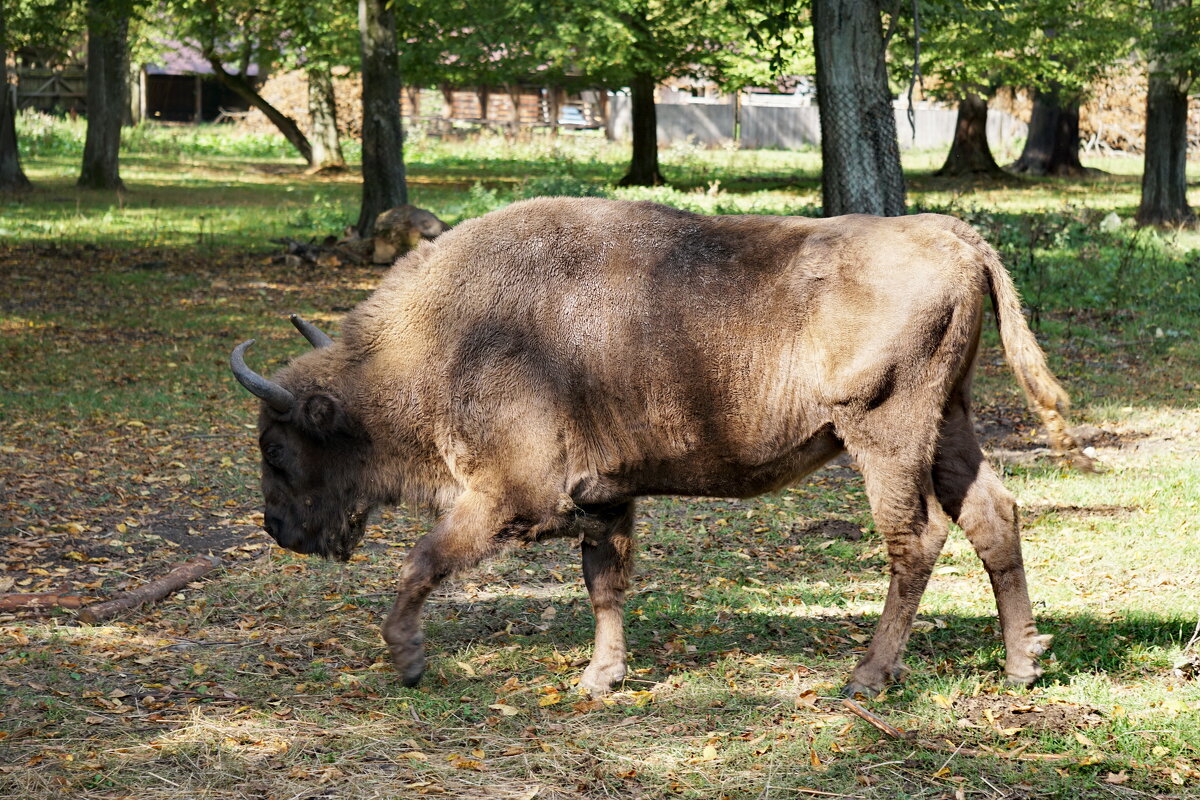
x=477 y=201
x=1072 y=258
x=41 y=29
x=1172 y=40
x=594 y=42
x=979 y=46
x=562 y=186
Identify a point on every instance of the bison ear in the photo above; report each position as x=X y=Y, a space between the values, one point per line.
x=322 y=415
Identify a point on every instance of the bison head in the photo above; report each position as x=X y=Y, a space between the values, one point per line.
x=314 y=456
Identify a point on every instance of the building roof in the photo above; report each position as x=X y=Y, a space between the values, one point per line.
x=182 y=58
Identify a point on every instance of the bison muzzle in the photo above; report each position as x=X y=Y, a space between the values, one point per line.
x=534 y=371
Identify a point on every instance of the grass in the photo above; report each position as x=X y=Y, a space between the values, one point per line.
x=124 y=446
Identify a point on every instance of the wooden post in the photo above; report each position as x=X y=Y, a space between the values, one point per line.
x=199 y=98
x=143 y=84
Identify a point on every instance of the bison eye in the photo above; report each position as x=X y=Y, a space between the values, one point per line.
x=274 y=455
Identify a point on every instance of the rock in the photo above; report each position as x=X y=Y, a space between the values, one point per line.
x=1087 y=434
x=402 y=228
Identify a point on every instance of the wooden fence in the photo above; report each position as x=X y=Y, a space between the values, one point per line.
x=62 y=89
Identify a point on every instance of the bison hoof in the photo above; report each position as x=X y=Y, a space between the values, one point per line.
x=854 y=689
x=597 y=680
x=409 y=660
x=1022 y=669
x=410 y=676
x=870 y=682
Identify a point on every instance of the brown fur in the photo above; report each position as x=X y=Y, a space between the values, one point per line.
x=532 y=372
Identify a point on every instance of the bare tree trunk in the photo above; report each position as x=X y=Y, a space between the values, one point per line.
x=12 y=177
x=514 y=101
x=1164 y=178
x=384 y=185
x=643 y=166
x=970 y=153
x=322 y=109
x=555 y=108
x=602 y=109
x=240 y=86
x=860 y=155
x=1053 y=144
x=484 y=94
x=107 y=88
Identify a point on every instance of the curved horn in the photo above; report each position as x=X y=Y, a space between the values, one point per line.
x=316 y=337
x=269 y=392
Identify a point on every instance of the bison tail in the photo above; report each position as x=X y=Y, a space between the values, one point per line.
x=1046 y=395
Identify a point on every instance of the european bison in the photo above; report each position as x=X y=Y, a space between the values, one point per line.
x=532 y=372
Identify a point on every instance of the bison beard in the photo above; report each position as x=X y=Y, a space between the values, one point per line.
x=534 y=371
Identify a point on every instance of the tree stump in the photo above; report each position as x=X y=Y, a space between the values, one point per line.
x=402 y=228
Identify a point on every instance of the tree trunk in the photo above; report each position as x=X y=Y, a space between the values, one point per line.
x=1164 y=178
x=484 y=95
x=970 y=153
x=107 y=88
x=242 y=88
x=860 y=155
x=12 y=177
x=602 y=108
x=322 y=110
x=1053 y=144
x=554 y=101
x=643 y=166
x=382 y=134
x=514 y=102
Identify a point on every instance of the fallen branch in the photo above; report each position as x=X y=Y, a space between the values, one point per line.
x=950 y=747
x=24 y=602
x=878 y=722
x=945 y=747
x=156 y=589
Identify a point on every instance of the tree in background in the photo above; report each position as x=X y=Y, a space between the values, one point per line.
x=960 y=47
x=318 y=37
x=240 y=33
x=384 y=185
x=322 y=113
x=12 y=177
x=860 y=156
x=640 y=43
x=1052 y=144
x=634 y=44
x=970 y=49
x=30 y=26
x=1173 y=49
x=107 y=92
x=1070 y=44
x=484 y=44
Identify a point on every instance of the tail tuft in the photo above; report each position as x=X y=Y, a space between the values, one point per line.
x=1027 y=360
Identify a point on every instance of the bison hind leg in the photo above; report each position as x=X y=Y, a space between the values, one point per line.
x=974 y=497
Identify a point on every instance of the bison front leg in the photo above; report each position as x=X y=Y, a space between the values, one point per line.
x=607 y=562
x=914 y=528
x=460 y=540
